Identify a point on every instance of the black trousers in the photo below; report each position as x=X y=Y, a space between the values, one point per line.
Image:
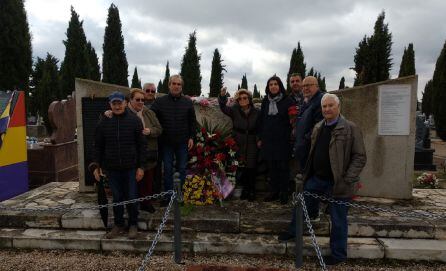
x=279 y=176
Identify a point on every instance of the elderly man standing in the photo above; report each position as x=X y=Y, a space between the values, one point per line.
x=149 y=94
x=337 y=157
x=176 y=114
x=120 y=150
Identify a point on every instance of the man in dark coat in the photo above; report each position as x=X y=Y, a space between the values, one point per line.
x=274 y=130
x=337 y=157
x=176 y=115
x=309 y=115
x=120 y=149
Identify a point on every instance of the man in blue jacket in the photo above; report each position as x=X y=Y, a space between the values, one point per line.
x=119 y=150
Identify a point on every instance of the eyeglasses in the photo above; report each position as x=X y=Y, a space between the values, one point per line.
x=308 y=85
x=242 y=98
x=139 y=100
x=150 y=91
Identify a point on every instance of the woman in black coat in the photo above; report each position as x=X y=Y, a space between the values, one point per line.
x=244 y=119
x=274 y=130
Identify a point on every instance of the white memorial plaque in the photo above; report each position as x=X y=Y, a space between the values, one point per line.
x=394 y=110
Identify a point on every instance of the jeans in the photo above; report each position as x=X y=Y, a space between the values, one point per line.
x=338 y=215
x=180 y=152
x=123 y=186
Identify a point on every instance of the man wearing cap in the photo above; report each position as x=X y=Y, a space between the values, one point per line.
x=119 y=150
x=176 y=115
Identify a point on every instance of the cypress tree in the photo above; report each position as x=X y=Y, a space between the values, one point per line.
x=244 y=82
x=216 y=80
x=407 y=66
x=136 y=83
x=47 y=87
x=426 y=101
x=256 y=93
x=311 y=72
x=95 y=70
x=36 y=77
x=297 y=64
x=238 y=86
x=190 y=68
x=439 y=94
x=165 y=86
x=114 y=60
x=342 y=83
x=76 y=60
x=15 y=47
x=372 y=58
x=159 y=88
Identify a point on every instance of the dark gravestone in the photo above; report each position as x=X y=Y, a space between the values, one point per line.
x=92 y=108
x=423 y=152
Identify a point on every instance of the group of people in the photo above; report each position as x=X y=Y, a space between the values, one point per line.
x=300 y=132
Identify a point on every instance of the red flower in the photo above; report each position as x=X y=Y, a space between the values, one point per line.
x=207 y=161
x=230 y=142
x=199 y=149
x=220 y=156
x=203 y=130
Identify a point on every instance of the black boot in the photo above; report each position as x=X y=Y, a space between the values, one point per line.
x=283 y=198
x=252 y=184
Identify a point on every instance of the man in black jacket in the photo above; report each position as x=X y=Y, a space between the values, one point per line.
x=176 y=115
x=119 y=149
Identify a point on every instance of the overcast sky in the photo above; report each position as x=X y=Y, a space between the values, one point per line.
x=253 y=37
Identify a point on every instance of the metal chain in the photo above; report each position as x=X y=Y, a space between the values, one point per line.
x=413 y=214
x=311 y=232
x=149 y=253
x=60 y=208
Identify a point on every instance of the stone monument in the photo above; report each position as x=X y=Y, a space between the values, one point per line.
x=423 y=151
x=56 y=161
x=385 y=111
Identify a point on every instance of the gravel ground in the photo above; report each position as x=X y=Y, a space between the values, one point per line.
x=30 y=260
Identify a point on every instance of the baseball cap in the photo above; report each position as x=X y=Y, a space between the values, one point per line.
x=116 y=96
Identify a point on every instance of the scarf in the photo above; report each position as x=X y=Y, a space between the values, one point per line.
x=139 y=114
x=273 y=104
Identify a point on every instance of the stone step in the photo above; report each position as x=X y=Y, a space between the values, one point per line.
x=212 y=219
x=369 y=248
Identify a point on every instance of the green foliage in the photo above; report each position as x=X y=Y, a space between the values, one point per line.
x=165 y=85
x=426 y=101
x=216 y=80
x=95 y=70
x=297 y=64
x=15 y=47
x=186 y=209
x=244 y=82
x=136 y=82
x=407 y=66
x=224 y=128
x=114 y=59
x=256 y=93
x=342 y=83
x=372 y=58
x=159 y=88
x=47 y=88
x=439 y=94
x=190 y=68
x=76 y=60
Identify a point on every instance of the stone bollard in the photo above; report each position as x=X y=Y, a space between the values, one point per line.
x=177 y=218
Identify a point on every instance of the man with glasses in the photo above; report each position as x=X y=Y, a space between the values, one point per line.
x=309 y=115
x=176 y=114
x=149 y=94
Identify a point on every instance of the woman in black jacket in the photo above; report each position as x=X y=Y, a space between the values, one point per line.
x=274 y=130
x=244 y=118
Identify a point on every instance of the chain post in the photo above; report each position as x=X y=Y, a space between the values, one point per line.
x=299 y=223
x=177 y=218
